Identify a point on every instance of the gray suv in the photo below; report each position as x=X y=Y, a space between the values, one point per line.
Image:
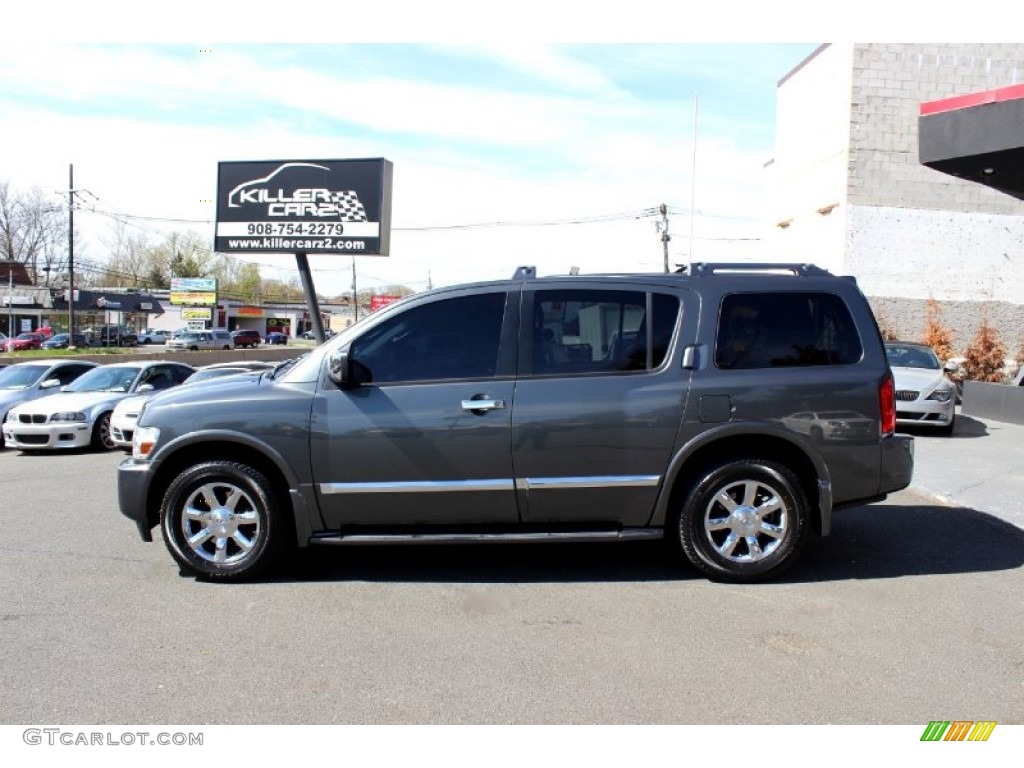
x=593 y=408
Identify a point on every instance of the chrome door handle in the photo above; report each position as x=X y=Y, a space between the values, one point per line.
x=482 y=405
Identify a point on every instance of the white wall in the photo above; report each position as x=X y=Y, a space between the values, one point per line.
x=945 y=255
x=809 y=172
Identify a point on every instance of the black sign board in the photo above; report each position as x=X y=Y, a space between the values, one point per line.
x=304 y=206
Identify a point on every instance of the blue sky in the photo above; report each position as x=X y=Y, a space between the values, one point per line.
x=504 y=150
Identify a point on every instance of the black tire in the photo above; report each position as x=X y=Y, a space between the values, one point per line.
x=102 y=440
x=244 y=510
x=742 y=521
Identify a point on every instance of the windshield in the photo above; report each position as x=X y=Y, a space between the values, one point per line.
x=105 y=379
x=21 y=376
x=911 y=356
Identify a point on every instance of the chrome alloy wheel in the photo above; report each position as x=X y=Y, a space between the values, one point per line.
x=746 y=521
x=220 y=523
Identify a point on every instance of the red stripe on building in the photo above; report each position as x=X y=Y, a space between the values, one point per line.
x=1009 y=93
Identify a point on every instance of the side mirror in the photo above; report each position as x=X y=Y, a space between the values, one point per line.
x=340 y=368
x=50 y=384
x=145 y=388
x=950 y=367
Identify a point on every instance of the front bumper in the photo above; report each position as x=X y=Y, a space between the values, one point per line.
x=925 y=412
x=133 y=478
x=49 y=436
x=122 y=431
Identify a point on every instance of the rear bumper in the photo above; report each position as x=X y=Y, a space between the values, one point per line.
x=897 y=464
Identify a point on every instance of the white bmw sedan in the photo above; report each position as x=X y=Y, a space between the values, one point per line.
x=79 y=415
x=924 y=394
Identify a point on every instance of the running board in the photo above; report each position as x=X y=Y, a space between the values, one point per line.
x=523 y=537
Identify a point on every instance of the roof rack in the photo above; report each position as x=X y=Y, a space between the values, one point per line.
x=705 y=269
x=525 y=273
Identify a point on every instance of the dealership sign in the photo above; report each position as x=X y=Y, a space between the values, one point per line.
x=196 y=313
x=201 y=291
x=304 y=206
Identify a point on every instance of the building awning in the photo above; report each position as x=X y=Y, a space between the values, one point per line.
x=978 y=137
x=109 y=301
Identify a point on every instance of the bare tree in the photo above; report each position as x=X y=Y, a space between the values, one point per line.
x=129 y=264
x=33 y=231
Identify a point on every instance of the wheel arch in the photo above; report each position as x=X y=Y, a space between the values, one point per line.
x=225 y=447
x=714 y=447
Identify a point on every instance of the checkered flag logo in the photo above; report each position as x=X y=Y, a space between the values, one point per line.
x=349 y=206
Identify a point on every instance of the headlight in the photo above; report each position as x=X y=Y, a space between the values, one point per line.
x=10 y=416
x=144 y=441
x=941 y=395
x=68 y=416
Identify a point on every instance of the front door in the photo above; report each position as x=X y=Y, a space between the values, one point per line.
x=423 y=439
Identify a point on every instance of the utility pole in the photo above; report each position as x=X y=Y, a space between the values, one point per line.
x=71 y=254
x=10 y=305
x=665 y=236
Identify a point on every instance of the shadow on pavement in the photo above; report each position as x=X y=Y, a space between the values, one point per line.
x=873 y=542
x=965 y=427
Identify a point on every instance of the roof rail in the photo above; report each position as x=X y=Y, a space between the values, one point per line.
x=705 y=269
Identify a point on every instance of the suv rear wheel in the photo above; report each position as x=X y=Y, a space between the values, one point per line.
x=743 y=520
x=219 y=522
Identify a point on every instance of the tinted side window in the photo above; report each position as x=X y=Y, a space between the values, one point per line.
x=589 y=331
x=770 y=330
x=454 y=338
x=69 y=373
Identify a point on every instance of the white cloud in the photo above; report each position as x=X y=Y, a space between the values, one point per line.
x=462 y=154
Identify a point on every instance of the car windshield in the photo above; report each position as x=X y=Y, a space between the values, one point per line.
x=910 y=356
x=21 y=376
x=189 y=336
x=105 y=379
x=27 y=336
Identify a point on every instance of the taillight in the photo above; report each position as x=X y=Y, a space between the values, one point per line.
x=887 y=404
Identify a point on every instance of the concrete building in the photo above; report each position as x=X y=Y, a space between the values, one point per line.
x=853 y=196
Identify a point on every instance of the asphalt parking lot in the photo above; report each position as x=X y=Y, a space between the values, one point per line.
x=907 y=613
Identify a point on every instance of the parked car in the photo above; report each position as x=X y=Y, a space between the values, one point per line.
x=274 y=337
x=33 y=379
x=440 y=419
x=79 y=415
x=63 y=340
x=151 y=336
x=246 y=337
x=311 y=336
x=113 y=336
x=200 y=340
x=24 y=341
x=925 y=396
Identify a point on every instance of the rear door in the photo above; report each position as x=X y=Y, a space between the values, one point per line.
x=424 y=439
x=598 y=401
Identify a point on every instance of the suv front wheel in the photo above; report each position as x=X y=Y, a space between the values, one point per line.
x=743 y=520
x=219 y=523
